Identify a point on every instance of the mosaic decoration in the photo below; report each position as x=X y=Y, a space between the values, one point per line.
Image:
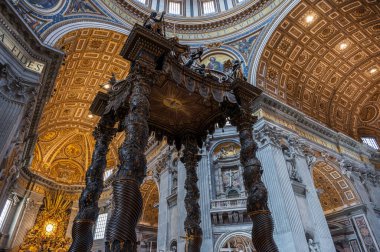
x=82 y=6
x=44 y=4
x=216 y=61
x=226 y=150
x=365 y=233
x=40 y=15
x=245 y=45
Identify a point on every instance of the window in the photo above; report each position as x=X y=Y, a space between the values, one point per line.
x=142 y=1
x=208 y=7
x=371 y=141
x=4 y=213
x=107 y=174
x=174 y=8
x=100 y=226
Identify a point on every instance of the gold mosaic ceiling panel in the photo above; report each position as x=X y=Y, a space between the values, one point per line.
x=64 y=148
x=335 y=190
x=324 y=60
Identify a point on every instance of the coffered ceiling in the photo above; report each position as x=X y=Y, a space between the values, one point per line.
x=335 y=190
x=65 y=144
x=324 y=59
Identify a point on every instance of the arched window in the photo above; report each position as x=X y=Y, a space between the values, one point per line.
x=208 y=7
x=175 y=7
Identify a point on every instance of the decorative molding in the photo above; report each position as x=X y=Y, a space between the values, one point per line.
x=15 y=88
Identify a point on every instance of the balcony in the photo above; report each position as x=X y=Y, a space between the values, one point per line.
x=222 y=205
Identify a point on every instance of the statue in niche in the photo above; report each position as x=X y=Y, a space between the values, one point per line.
x=155 y=24
x=290 y=157
x=313 y=246
x=173 y=170
x=235 y=216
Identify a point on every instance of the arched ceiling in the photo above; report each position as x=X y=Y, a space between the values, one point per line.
x=324 y=59
x=149 y=192
x=64 y=148
x=335 y=190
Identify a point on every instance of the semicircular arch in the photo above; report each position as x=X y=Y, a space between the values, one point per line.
x=335 y=190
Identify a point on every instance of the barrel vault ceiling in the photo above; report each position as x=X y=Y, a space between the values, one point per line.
x=324 y=59
x=65 y=143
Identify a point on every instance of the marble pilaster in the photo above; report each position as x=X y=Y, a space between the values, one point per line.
x=289 y=233
x=204 y=202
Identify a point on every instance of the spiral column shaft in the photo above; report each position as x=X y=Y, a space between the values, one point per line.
x=257 y=200
x=193 y=219
x=88 y=202
x=120 y=233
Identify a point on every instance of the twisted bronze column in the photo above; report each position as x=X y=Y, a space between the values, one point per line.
x=120 y=234
x=193 y=219
x=257 y=207
x=88 y=202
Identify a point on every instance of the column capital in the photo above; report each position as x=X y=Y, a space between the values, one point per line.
x=13 y=87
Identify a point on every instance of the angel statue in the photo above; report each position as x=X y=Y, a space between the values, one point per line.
x=155 y=24
x=194 y=56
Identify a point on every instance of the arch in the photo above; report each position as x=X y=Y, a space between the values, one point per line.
x=252 y=71
x=150 y=195
x=222 y=141
x=224 y=238
x=336 y=191
x=51 y=38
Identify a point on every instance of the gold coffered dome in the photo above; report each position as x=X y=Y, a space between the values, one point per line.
x=65 y=144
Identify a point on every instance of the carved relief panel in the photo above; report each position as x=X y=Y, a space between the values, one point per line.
x=226 y=171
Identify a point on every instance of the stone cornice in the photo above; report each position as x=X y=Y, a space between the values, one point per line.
x=303 y=121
